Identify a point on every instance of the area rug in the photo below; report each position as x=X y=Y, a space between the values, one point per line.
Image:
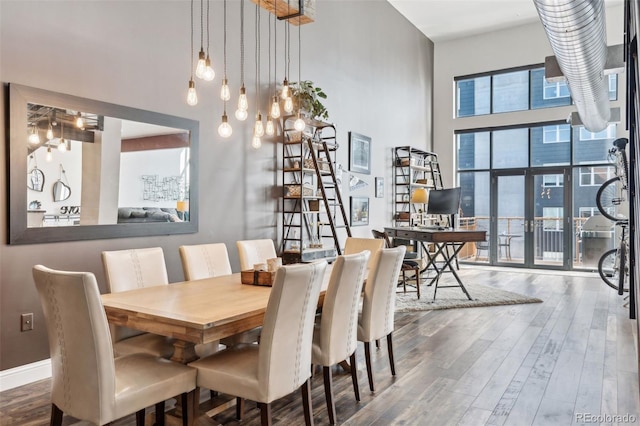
x=450 y=298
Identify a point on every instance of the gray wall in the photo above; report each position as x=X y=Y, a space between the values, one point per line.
x=376 y=68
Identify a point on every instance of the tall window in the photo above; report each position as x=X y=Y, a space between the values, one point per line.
x=556 y=133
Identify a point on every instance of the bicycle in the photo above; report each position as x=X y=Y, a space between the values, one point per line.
x=613 y=266
x=611 y=198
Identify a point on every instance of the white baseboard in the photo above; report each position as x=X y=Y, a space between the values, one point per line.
x=25 y=374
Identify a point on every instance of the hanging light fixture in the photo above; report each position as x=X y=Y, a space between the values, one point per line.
x=209 y=73
x=243 y=104
x=201 y=67
x=275 y=104
x=192 y=96
x=62 y=145
x=299 y=124
x=49 y=131
x=34 y=138
x=49 y=155
x=79 y=121
x=286 y=90
x=224 y=129
x=269 y=127
x=258 y=128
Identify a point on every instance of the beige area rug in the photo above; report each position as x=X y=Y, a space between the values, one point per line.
x=450 y=298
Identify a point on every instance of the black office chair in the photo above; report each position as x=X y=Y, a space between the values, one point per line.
x=409 y=264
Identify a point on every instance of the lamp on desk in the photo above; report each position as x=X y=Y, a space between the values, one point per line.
x=420 y=196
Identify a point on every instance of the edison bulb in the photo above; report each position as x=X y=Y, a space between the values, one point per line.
x=258 y=128
x=50 y=132
x=33 y=137
x=285 y=88
x=288 y=105
x=209 y=73
x=241 y=114
x=225 y=93
x=79 y=122
x=192 y=96
x=201 y=68
x=269 y=128
x=256 y=142
x=243 y=103
x=299 y=124
x=275 y=108
x=224 y=129
x=62 y=146
x=49 y=156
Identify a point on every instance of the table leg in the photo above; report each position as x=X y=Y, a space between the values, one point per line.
x=442 y=250
x=184 y=352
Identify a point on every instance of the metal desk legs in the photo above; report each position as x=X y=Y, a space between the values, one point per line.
x=449 y=258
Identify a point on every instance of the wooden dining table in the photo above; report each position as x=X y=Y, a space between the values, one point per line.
x=192 y=312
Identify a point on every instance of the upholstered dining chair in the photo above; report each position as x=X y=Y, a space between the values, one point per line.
x=334 y=336
x=281 y=363
x=356 y=245
x=88 y=383
x=127 y=270
x=205 y=261
x=378 y=305
x=255 y=251
x=409 y=263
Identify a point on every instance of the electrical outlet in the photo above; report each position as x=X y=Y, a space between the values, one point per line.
x=26 y=322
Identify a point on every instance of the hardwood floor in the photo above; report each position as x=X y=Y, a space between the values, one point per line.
x=551 y=363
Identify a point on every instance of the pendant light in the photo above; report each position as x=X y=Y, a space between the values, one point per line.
x=209 y=73
x=49 y=156
x=286 y=90
x=225 y=129
x=192 y=97
x=243 y=104
x=269 y=129
x=275 y=104
x=34 y=138
x=79 y=121
x=258 y=128
x=49 y=130
x=62 y=145
x=201 y=68
x=299 y=124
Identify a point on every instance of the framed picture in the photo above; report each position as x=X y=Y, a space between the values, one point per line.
x=379 y=187
x=359 y=153
x=359 y=211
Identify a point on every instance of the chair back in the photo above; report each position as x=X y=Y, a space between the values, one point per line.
x=83 y=371
x=379 y=302
x=132 y=269
x=339 y=321
x=382 y=235
x=356 y=245
x=287 y=333
x=255 y=251
x=204 y=261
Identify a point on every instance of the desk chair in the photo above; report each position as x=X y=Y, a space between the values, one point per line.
x=482 y=246
x=281 y=363
x=334 y=337
x=87 y=382
x=255 y=251
x=409 y=263
x=378 y=305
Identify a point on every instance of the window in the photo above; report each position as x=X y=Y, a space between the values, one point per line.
x=613 y=87
x=596 y=175
x=552 y=218
x=556 y=133
x=510 y=92
x=555 y=90
x=608 y=133
x=473 y=96
x=586 y=212
x=552 y=181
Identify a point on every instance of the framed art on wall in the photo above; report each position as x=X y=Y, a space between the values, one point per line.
x=379 y=187
x=359 y=153
x=359 y=211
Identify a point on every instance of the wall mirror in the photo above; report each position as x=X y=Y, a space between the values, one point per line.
x=101 y=170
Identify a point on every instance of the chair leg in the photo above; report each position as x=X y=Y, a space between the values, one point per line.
x=56 y=416
x=354 y=376
x=140 y=418
x=392 y=363
x=328 y=394
x=190 y=402
x=306 y=402
x=239 y=408
x=213 y=394
x=417 y=272
x=160 y=414
x=404 y=281
x=367 y=358
x=265 y=414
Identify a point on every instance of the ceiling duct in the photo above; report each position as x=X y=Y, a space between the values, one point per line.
x=577 y=33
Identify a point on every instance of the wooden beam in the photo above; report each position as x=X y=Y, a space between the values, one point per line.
x=175 y=140
x=290 y=10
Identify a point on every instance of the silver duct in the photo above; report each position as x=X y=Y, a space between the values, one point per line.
x=577 y=33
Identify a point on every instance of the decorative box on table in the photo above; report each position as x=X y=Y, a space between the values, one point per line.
x=253 y=277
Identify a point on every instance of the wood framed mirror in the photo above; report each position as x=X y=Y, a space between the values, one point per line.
x=120 y=171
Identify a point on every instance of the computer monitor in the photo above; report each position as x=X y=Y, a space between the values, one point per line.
x=444 y=201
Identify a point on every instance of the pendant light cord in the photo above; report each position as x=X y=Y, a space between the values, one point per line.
x=224 y=50
x=257 y=57
x=201 y=24
x=192 y=40
x=275 y=51
x=269 y=57
x=208 y=37
x=242 y=43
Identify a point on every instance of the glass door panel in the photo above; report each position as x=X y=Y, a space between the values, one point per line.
x=548 y=221
x=508 y=231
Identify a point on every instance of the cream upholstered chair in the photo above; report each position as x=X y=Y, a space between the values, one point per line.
x=378 y=305
x=128 y=270
x=87 y=382
x=205 y=261
x=255 y=251
x=356 y=245
x=281 y=363
x=334 y=337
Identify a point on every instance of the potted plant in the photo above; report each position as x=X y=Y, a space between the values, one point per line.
x=308 y=96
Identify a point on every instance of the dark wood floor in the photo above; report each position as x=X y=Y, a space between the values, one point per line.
x=544 y=363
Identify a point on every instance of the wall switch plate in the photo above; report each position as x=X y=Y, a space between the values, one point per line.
x=26 y=322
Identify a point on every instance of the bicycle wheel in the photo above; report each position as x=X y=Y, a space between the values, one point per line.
x=611 y=200
x=608 y=268
x=622 y=260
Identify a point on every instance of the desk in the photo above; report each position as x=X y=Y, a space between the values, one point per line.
x=200 y=311
x=442 y=239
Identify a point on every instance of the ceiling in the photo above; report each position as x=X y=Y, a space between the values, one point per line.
x=442 y=20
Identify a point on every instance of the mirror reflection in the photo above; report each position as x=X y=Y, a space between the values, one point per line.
x=85 y=157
